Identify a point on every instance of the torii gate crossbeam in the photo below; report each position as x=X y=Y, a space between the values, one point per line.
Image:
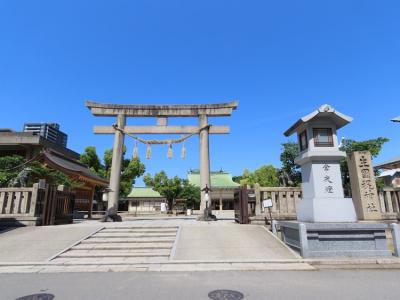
x=162 y=113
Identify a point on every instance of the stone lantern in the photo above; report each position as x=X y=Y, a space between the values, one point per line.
x=326 y=223
x=323 y=198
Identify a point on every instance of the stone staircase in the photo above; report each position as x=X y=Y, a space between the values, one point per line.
x=123 y=245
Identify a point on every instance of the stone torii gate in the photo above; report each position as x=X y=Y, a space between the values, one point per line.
x=162 y=113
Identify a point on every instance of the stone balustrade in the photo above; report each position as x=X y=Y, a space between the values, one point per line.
x=18 y=201
x=29 y=206
x=389 y=198
x=284 y=200
x=18 y=205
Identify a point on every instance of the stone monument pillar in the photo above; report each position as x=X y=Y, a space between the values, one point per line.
x=363 y=186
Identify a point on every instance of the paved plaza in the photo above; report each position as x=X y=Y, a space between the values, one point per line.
x=325 y=284
x=145 y=245
x=37 y=244
x=176 y=244
x=229 y=241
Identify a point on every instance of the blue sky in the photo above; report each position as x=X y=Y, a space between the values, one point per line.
x=280 y=59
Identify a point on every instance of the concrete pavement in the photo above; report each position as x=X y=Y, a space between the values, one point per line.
x=229 y=241
x=326 y=284
x=158 y=245
x=37 y=244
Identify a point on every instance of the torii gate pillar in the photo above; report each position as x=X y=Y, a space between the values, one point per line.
x=116 y=166
x=205 y=179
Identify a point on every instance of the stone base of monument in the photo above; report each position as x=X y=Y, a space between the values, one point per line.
x=111 y=218
x=207 y=216
x=326 y=210
x=336 y=239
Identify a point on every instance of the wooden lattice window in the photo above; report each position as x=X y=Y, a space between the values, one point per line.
x=323 y=137
x=303 y=140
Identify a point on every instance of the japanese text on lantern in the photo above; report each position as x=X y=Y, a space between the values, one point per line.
x=367 y=184
x=328 y=183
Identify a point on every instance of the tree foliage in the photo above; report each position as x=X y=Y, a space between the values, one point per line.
x=131 y=169
x=374 y=146
x=265 y=176
x=10 y=166
x=90 y=159
x=290 y=150
x=173 y=188
x=192 y=195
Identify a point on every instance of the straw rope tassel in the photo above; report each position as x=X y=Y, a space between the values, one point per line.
x=148 y=152
x=183 y=151
x=135 y=151
x=170 y=151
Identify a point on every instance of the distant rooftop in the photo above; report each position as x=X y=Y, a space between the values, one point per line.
x=397 y=119
x=219 y=179
x=144 y=192
x=393 y=163
x=13 y=140
x=50 y=131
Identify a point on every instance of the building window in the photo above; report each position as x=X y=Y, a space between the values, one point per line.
x=303 y=141
x=323 y=137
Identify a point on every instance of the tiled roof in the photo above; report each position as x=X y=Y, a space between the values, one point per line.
x=144 y=192
x=72 y=167
x=390 y=164
x=218 y=180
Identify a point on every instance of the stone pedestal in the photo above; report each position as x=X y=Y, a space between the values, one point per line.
x=336 y=239
x=323 y=198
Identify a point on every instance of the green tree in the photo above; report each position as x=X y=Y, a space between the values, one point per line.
x=237 y=179
x=374 y=146
x=170 y=188
x=107 y=158
x=247 y=178
x=131 y=169
x=290 y=150
x=7 y=165
x=10 y=166
x=265 y=176
x=192 y=195
x=91 y=160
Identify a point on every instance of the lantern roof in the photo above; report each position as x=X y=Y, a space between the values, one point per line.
x=324 y=111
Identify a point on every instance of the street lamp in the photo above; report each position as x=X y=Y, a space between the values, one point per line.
x=208 y=216
x=207 y=198
x=105 y=194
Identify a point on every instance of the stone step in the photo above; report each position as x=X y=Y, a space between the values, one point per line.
x=111 y=260
x=132 y=235
x=95 y=240
x=138 y=230
x=116 y=246
x=143 y=227
x=116 y=253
